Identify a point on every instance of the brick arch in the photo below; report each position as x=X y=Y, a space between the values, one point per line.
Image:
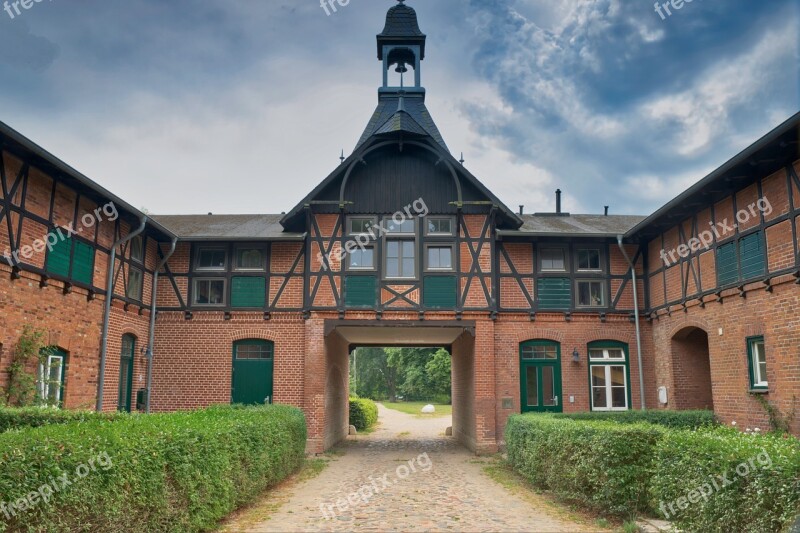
x=130 y=331
x=689 y=323
x=256 y=333
x=534 y=333
x=628 y=339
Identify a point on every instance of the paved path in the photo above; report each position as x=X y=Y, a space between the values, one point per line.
x=413 y=479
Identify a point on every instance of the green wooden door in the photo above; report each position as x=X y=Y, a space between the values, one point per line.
x=126 y=373
x=252 y=372
x=540 y=377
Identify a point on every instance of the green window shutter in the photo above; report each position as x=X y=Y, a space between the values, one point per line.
x=727 y=269
x=439 y=291
x=83 y=263
x=360 y=291
x=554 y=293
x=752 y=255
x=248 y=292
x=59 y=257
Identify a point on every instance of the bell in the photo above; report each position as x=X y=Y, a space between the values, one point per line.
x=401 y=68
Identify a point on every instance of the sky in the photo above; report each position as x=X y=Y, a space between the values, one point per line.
x=243 y=106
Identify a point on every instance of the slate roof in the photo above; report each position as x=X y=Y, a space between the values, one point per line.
x=401 y=21
x=227 y=227
x=551 y=225
x=387 y=118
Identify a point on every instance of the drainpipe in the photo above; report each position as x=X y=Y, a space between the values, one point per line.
x=636 y=316
x=107 y=313
x=151 y=341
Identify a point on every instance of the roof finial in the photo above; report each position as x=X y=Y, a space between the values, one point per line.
x=341 y=157
x=462 y=159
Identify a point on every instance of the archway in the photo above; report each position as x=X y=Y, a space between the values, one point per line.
x=691 y=370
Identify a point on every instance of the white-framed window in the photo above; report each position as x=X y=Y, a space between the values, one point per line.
x=758 y=363
x=249 y=258
x=439 y=226
x=137 y=249
x=211 y=259
x=360 y=225
x=552 y=260
x=134 y=286
x=362 y=258
x=406 y=226
x=608 y=377
x=50 y=378
x=208 y=292
x=591 y=293
x=439 y=257
x=588 y=260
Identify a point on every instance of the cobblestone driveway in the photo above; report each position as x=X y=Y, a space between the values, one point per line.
x=445 y=490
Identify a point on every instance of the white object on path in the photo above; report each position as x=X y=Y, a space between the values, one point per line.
x=429 y=409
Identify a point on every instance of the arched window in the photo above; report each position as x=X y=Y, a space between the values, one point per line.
x=51 y=376
x=126 y=373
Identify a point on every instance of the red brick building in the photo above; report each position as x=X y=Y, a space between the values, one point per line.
x=402 y=245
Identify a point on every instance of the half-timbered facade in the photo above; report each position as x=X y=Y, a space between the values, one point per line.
x=696 y=306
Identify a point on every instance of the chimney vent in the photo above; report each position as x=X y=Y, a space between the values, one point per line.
x=522 y=210
x=558 y=201
x=606 y=210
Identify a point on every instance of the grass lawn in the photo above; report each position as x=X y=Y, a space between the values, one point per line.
x=415 y=408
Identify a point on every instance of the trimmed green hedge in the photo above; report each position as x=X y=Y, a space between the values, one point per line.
x=363 y=413
x=601 y=465
x=689 y=484
x=14 y=418
x=671 y=419
x=165 y=472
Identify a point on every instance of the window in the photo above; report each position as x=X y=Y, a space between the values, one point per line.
x=608 y=376
x=591 y=294
x=401 y=259
x=440 y=258
x=757 y=358
x=137 y=249
x=134 y=288
x=361 y=259
x=254 y=350
x=209 y=292
x=531 y=352
x=50 y=377
x=211 y=259
x=360 y=225
x=741 y=261
x=439 y=226
x=249 y=258
x=248 y=292
x=63 y=261
x=124 y=396
x=589 y=260
x=404 y=227
x=552 y=259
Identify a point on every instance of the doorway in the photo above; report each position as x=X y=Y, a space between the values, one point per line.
x=540 y=376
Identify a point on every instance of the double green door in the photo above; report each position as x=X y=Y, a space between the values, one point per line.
x=540 y=377
x=252 y=372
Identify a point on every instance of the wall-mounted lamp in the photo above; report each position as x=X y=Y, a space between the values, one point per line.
x=576 y=356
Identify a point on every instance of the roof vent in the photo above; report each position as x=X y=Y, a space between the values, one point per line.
x=606 y=210
x=558 y=201
x=522 y=210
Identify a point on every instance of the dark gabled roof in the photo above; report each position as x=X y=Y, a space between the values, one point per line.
x=770 y=153
x=228 y=227
x=388 y=118
x=552 y=225
x=59 y=170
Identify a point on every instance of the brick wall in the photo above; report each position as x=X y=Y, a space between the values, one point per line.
x=337 y=372
x=463 y=391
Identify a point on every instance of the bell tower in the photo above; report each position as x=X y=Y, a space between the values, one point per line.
x=401 y=47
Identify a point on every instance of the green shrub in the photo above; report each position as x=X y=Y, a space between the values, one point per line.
x=166 y=472
x=363 y=413
x=687 y=476
x=601 y=465
x=671 y=419
x=15 y=418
